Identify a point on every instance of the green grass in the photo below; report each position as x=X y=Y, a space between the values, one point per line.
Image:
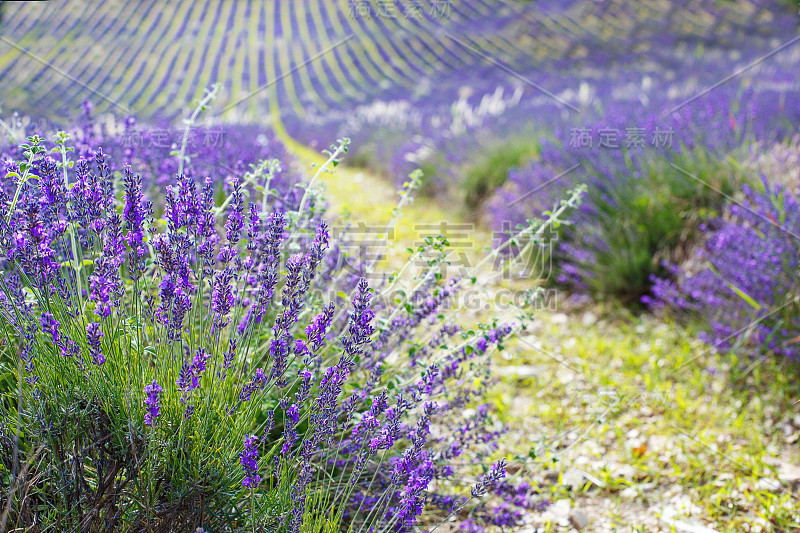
x=712 y=432
x=490 y=171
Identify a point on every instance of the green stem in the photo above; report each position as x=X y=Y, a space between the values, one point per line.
x=211 y=94
x=77 y=264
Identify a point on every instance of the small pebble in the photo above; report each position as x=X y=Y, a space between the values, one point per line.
x=578 y=519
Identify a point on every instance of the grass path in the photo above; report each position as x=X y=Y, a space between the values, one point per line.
x=362 y=197
x=626 y=421
x=637 y=425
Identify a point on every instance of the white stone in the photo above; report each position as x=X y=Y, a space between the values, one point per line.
x=789 y=473
x=579 y=519
x=572 y=479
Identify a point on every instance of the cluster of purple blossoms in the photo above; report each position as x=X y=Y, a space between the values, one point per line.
x=192 y=372
x=134 y=214
x=94 y=338
x=50 y=326
x=249 y=461
x=746 y=281
x=152 y=402
x=490 y=479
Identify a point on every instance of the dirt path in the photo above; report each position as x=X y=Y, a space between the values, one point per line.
x=367 y=201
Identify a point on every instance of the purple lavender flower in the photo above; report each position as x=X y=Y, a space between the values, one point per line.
x=105 y=283
x=50 y=325
x=205 y=225
x=87 y=197
x=292 y=295
x=152 y=401
x=268 y=427
x=182 y=205
x=412 y=496
x=94 y=337
x=134 y=213
x=253 y=226
x=192 y=372
x=249 y=461
x=315 y=254
x=51 y=187
x=496 y=473
x=269 y=256
x=105 y=287
x=114 y=247
x=359 y=328
x=279 y=352
x=72 y=350
x=235 y=222
x=304 y=388
x=289 y=438
x=273 y=237
x=31 y=242
x=228 y=357
x=222 y=296
x=258 y=382
x=318 y=327
x=198 y=367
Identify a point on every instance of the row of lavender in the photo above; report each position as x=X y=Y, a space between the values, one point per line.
x=556 y=63
x=305 y=58
x=202 y=358
x=665 y=125
x=693 y=211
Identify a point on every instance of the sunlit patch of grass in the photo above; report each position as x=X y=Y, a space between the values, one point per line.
x=635 y=402
x=367 y=202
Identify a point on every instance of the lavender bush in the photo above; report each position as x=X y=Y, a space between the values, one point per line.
x=653 y=180
x=195 y=369
x=744 y=281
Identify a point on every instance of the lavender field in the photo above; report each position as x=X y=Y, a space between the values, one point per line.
x=400 y=266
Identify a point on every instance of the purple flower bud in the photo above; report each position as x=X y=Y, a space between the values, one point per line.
x=249 y=461
x=50 y=325
x=93 y=338
x=496 y=473
x=152 y=401
x=235 y=222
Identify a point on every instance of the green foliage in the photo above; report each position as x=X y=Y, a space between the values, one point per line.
x=490 y=170
x=653 y=215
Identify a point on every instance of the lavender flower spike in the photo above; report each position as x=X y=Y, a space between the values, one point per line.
x=153 y=402
x=489 y=480
x=94 y=338
x=249 y=460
